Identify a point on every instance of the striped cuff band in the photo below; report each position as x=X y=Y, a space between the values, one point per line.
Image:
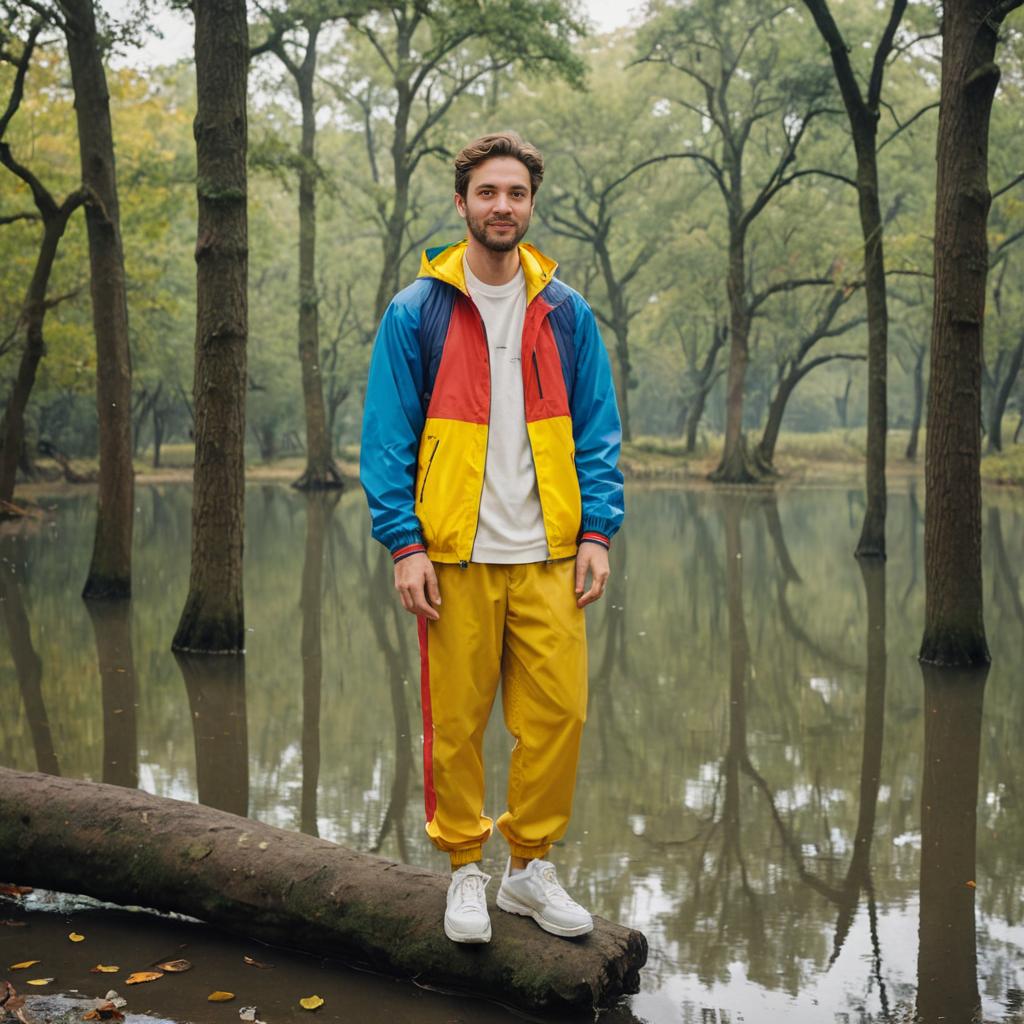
x=409 y=549
x=596 y=538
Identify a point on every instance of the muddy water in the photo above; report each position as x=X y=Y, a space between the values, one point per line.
x=769 y=787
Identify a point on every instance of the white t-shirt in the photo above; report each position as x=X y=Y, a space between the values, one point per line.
x=511 y=525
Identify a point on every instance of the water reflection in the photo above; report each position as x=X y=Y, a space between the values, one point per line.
x=111 y=624
x=947 y=971
x=216 y=699
x=751 y=776
x=28 y=666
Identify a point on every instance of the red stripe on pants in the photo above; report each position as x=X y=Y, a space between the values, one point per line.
x=429 y=796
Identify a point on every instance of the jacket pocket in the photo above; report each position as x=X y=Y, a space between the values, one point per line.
x=536 y=373
x=426 y=471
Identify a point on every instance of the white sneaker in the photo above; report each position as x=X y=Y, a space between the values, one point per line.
x=465 y=917
x=535 y=892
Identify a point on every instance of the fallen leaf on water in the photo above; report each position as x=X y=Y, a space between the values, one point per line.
x=75 y=937
x=13 y=924
x=6 y=889
x=176 y=966
x=972 y=884
x=138 y=977
x=105 y=1011
x=104 y=969
x=253 y=962
x=23 y=965
x=311 y=1002
x=39 y=981
x=220 y=997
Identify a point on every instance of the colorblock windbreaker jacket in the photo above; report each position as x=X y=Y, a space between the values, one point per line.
x=425 y=422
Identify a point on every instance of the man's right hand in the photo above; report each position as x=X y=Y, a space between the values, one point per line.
x=416 y=583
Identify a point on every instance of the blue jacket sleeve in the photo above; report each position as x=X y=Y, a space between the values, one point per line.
x=597 y=430
x=393 y=420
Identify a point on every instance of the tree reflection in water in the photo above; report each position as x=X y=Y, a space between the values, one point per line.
x=947 y=973
x=112 y=628
x=216 y=698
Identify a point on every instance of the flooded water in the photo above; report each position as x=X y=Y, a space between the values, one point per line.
x=769 y=788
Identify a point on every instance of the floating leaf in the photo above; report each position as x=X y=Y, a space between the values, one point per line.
x=972 y=884
x=75 y=937
x=39 y=981
x=140 y=976
x=176 y=966
x=23 y=965
x=14 y=890
x=13 y=924
x=311 y=1003
x=253 y=962
x=220 y=997
x=104 y=1011
x=104 y=969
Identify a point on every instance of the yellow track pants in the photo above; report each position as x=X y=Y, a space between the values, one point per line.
x=518 y=624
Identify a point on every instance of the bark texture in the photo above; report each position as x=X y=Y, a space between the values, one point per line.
x=213 y=619
x=110 y=571
x=954 y=632
x=293 y=890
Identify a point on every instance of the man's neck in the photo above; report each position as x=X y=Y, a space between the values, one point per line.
x=491 y=267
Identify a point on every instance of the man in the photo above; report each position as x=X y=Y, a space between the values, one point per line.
x=489 y=451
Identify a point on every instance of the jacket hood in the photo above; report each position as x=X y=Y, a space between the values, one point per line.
x=445 y=264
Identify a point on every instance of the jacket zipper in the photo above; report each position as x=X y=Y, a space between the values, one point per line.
x=464 y=563
x=536 y=373
x=426 y=472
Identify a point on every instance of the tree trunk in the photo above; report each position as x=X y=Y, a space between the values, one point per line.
x=915 y=425
x=213 y=619
x=321 y=471
x=1002 y=396
x=843 y=404
x=293 y=890
x=954 y=632
x=773 y=425
x=55 y=221
x=736 y=466
x=947 y=968
x=872 y=535
x=112 y=628
x=110 y=571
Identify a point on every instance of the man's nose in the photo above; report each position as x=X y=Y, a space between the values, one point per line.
x=502 y=204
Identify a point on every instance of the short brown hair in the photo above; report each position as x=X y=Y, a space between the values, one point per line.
x=498 y=144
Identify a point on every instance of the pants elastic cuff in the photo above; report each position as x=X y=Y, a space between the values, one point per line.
x=469 y=856
x=528 y=852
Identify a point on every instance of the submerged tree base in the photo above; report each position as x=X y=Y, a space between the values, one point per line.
x=738 y=466
x=198 y=633
x=294 y=890
x=323 y=477
x=106 y=588
x=955 y=648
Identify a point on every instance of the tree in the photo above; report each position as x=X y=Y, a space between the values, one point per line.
x=55 y=217
x=954 y=631
x=730 y=55
x=416 y=60
x=213 y=619
x=110 y=571
x=321 y=471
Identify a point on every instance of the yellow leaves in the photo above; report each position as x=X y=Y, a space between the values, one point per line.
x=39 y=981
x=140 y=977
x=253 y=962
x=311 y=1003
x=104 y=969
x=75 y=937
x=23 y=965
x=220 y=997
x=176 y=966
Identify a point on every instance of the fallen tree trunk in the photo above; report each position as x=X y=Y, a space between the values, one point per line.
x=293 y=890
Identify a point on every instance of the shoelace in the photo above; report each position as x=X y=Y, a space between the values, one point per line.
x=470 y=889
x=554 y=891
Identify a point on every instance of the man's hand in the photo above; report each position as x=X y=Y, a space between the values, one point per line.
x=416 y=583
x=592 y=558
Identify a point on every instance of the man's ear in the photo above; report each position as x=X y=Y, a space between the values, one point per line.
x=460 y=205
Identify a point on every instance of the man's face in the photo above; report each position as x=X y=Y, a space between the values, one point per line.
x=498 y=203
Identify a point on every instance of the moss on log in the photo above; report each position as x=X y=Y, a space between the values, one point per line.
x=293 y=890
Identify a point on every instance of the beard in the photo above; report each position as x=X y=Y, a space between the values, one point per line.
x=506 y=243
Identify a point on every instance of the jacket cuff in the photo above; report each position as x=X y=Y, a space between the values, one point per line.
x=593 y=537
x=405 y=544
x=603 y=527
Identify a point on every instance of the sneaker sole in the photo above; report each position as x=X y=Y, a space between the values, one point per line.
x=513 y=906
x=469 y=938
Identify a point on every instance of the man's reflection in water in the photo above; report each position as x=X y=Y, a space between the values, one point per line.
x=947 y=976
x=216 y=699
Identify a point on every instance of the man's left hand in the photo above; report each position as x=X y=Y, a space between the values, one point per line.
x=592 y=558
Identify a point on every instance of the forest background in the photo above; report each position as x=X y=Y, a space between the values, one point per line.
x=631 y=208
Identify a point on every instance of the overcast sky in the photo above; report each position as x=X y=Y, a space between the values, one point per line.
x=177 y=41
